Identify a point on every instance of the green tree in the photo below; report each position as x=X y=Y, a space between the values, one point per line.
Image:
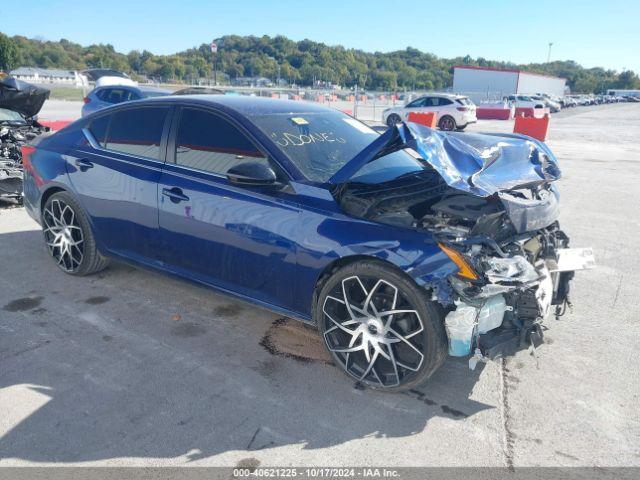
x=303 y=63
x=9 y=55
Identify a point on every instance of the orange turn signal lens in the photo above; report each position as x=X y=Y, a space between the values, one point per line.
x=465 y=269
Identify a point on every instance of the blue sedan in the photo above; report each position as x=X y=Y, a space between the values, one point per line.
x=400 y=247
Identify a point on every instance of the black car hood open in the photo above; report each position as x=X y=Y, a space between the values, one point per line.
x=22 y=97
x=480 y=164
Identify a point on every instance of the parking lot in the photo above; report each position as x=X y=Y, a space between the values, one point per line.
x=130 y=367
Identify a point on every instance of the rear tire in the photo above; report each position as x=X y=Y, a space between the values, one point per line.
x=392 y=352
x=393 y=119
x=68 y=236
x=447 y=123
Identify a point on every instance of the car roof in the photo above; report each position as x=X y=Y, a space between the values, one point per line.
x=244 y=105
x=145 y=88
x=452 y=96
x=142 y=88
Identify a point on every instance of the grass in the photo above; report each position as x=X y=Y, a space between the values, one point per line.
x=60 y=92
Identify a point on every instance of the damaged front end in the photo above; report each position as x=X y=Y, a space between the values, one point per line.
x=19 y=103
x=490 y=203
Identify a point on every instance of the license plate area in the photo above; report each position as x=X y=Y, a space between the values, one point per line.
x=572 y=259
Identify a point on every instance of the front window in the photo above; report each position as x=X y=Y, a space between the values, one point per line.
x=208 y=142
x=319 y=144
x=416 y=103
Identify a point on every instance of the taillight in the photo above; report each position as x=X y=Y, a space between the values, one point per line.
x=86 y=100
x=462 y=109
x=26 y=151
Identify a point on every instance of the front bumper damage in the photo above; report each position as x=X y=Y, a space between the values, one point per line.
x=522 y=282
x=491 y=203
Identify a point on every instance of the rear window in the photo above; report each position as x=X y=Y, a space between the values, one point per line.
x=137 y=131
x=117 y=95
x=464 y=101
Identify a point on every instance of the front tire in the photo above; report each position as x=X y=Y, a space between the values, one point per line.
x=68 y=236
x=380 y=327
x=447 y=123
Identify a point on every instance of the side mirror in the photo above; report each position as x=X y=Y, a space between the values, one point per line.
x=252 y=173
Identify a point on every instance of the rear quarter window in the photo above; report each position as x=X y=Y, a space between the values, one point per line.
x=98 y=129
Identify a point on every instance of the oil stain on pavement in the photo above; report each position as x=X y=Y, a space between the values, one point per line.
x=97 y=300
x=23 y=304
x=291 y=339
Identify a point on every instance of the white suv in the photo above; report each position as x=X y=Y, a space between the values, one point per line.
x=454 y=112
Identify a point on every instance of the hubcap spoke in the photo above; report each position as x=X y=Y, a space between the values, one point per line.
x=63 y=235
x=373 y=330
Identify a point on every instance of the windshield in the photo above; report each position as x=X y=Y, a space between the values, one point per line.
x=7 y=115
x=319 y=144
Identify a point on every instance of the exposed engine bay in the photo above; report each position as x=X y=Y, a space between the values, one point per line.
x=12 y=139
x=515 y=261
x=19 y=104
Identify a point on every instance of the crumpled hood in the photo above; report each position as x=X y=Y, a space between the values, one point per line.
x=22 y=97
x=480 y=164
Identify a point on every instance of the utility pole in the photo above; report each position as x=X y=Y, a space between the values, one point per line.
x=549 y=52
x=214 y=54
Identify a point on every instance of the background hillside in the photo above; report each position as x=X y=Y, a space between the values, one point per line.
x=303 y=63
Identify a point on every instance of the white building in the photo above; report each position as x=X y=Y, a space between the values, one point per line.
x=483 y=83
x=49 y=76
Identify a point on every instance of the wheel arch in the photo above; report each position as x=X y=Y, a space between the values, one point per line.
x=48 y=193
x=341 y=262
x=57 y=188
x=447 y=115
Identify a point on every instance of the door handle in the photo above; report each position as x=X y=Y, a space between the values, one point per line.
x=175 y=194
x=83 y=164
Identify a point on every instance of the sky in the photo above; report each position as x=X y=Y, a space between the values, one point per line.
x=593 y=33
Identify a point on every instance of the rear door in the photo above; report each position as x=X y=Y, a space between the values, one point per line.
x=115 y=175
x=234 y=237
x=444 y=106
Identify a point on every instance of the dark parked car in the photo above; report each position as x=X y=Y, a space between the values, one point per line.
x=400 y=247
x=198 y=91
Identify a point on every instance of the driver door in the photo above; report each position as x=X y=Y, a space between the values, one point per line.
x=237 y=238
